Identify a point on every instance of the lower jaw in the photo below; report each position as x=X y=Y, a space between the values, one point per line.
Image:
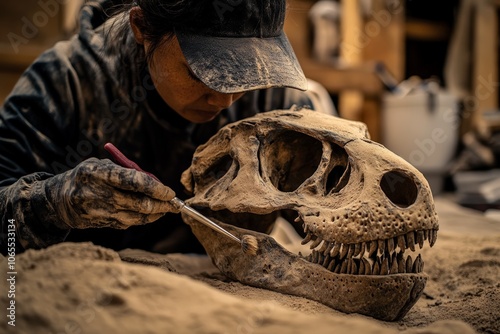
x=384 y=297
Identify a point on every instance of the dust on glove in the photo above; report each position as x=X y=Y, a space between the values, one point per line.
x=99 y=193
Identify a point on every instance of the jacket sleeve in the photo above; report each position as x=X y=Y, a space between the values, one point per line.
x=37 y=122
x=25 y=207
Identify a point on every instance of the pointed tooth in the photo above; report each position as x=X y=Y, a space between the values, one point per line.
x=363 y=248
x=298 y=220
x=314 y=256
x=336 y=249
x=320 y=258
x=324 y=246
x=349 y=265
x=331 y=265
x=402 y=243
x=393 y=258
x=433 y=237
x=354 y=267
x=307 y=238
x=350 y=252
x=381 y=247
x=357 y=249
x=343 y=268
x=328 y=249
x=373 y=248
x=409 y=264
x=401 y=263
x=410 y=240
x=384 y=268
x=417 y=264
x=361 y=269
x=390 y=245
x=426 y=234
x=368 y=266
x=422 y=266
x=338 y=266
x=343 y=252
x=420 y=238
x=376 y=268
x=315 y=242
x=394 y=265
x=326 y=260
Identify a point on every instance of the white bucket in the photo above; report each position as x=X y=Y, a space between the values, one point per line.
x=422 y=128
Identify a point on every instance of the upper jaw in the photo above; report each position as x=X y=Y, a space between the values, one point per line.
x=371 y=246
x=376 y=257
x=384 y=256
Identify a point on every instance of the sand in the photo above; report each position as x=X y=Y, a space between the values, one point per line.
x=82 y=288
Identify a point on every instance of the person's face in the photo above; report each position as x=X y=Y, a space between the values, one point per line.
x=176 y=84
x=180 y=89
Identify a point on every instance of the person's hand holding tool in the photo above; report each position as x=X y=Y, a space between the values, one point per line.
x=100 y=193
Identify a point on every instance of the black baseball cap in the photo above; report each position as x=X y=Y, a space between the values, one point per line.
x=240 y=45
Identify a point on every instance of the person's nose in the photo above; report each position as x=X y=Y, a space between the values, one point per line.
x=220 y=100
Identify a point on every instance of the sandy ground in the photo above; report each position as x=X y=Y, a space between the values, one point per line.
x=81 y=288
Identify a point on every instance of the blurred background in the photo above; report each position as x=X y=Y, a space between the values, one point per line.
x=423 y=75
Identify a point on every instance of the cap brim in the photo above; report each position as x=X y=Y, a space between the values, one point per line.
x=233 y=65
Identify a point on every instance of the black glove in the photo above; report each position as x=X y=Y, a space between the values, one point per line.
x=99 y=193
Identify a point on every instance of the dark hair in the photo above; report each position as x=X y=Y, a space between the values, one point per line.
x=159 y=19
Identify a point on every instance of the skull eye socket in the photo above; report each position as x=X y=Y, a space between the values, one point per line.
x=289 y=158
x=217 y=170
x=399 y=188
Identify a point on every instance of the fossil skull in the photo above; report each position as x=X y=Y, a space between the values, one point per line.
x=361 y=207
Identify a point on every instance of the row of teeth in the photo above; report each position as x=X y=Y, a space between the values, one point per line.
x=395 y=264
x=378 y=257
x=405 y=241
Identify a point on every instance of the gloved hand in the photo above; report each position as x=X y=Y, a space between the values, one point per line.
x=99 y=193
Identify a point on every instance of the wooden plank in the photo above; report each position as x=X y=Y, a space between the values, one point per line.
x=333 y=79
x=351 y=52
x=384 y=33
x=385 y=43
x=485 y=63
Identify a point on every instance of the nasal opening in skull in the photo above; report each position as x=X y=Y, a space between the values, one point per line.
x=399 y=188
x=289 y=158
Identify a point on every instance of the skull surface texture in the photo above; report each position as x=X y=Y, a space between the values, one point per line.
x=362 y=208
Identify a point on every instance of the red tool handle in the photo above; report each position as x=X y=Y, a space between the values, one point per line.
x=123 y=161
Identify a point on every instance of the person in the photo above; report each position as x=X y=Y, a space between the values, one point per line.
x=156 y=79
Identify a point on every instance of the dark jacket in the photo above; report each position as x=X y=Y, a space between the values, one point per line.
x=82 y=93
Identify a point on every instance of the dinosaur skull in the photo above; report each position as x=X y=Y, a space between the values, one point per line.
x=360 y=206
